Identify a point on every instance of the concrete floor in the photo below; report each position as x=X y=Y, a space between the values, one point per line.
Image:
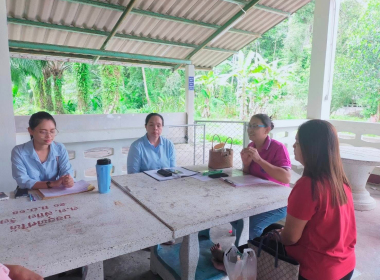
x=135 y=266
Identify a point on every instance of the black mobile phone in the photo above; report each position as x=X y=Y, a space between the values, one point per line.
x=218 y=175
x=164 y=172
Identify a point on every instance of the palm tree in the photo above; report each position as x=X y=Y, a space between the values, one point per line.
x=57 y=68
x=82 y=74
x=23 y=68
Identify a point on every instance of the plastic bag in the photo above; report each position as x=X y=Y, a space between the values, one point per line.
x=240 y=266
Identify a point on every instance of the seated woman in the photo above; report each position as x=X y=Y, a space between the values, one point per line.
x=268 y=159
x=152 y=151
x=320 y=228
x=17 y=272
x=41 y=163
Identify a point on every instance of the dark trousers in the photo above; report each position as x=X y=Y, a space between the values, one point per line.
x=282 y=251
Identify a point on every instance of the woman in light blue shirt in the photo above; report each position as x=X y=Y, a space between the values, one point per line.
x=152 y=151
x=41 y=163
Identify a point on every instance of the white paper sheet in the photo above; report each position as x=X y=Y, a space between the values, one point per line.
x=246 y=180
x=80 y=186
x=180 y=172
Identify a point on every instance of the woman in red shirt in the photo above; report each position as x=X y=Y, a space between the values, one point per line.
x=320 y=227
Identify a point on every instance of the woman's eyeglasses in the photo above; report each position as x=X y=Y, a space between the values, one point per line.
x=51 y=132
x=255 y=126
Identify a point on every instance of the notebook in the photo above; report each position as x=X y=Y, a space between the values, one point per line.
x=246 y=180
x=79 y=187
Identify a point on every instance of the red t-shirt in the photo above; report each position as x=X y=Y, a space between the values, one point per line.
x=325 y=250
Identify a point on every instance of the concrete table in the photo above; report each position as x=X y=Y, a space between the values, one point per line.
x=188 y=206
x=358 y=163
x=57 y=235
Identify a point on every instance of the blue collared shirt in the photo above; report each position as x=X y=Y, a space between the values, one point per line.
x=27 y=168
x=143 y=156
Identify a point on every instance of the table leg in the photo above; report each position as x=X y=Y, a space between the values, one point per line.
x=358 y=176
x=242 y=232
x=189 y=256
x=93 y=271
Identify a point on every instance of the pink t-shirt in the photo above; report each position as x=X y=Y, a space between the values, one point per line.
x=273 y=152
x=4 y=272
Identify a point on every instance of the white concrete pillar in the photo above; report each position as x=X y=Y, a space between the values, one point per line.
x=325 y=29
x=189 y=85
x=7 y=120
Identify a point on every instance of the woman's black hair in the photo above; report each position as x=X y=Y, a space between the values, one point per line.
x=265 y=119
x=152 y=115
x=37 y=118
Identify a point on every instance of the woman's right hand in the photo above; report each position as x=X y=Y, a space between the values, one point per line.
x=18 y=272
x=246 y=157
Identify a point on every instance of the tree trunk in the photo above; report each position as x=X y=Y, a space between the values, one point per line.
x=112 y=82
x=243 y=107
x=40 y=83
x=47 y=90
x=58 y=99
x=82 y=72
x=145 y=87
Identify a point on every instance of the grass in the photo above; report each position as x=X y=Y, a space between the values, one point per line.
x=223 y=138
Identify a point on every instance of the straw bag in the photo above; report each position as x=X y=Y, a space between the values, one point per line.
x=272 y=263
x=221 y=158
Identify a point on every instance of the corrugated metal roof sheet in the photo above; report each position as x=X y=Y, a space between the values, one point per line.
x=214 y=12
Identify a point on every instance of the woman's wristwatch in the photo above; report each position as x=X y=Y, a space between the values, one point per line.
x=48 y=184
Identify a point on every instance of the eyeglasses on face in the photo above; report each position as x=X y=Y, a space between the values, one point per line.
x=53 y=132
x=255 y=126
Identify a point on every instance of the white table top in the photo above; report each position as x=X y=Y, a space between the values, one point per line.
x=360 y=155
x=189 y=205
x=56 y=235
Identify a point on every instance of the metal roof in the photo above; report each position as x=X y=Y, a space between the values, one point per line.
x=162 y=33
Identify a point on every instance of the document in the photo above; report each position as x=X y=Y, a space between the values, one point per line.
x=79 y=187
x=246 y=180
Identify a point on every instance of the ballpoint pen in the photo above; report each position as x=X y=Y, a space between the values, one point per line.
x=30 y=197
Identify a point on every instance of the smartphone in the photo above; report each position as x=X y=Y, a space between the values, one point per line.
x=164 y=172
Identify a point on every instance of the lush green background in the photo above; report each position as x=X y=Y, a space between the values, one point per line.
x=270 y=75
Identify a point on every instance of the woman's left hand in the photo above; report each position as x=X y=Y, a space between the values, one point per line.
x=68 y=181
x=254 y=154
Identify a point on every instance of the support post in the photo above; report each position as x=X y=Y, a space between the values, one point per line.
x=7 y=119
x=189 y=84
x=325 y=29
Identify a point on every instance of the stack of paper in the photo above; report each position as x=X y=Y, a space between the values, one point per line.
x=79 y=187
x=246 y=180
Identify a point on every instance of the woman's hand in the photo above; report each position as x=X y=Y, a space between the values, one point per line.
x=18 y=272
x=246 y=157
x=67 y=181
x=254 y=154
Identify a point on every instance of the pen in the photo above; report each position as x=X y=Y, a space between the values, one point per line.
x=229 y=182
x=30 y=197
x=33 y=198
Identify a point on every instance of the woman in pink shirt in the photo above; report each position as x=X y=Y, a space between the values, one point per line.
x=17 y=272
x=268 y=159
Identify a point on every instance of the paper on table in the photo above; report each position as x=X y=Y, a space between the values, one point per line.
x=180 y=172
x=80 y=186
x=246 y=180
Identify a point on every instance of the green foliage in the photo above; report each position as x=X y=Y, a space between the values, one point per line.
x=270 y=75
x=82 y=75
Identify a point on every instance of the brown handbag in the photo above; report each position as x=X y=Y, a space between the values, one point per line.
x=222 y=158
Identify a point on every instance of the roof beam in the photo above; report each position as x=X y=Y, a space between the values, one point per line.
x=94 y=52
x=261 y=7
x=103 y=33
x=116 y=27
x=222 y=29
x=119 y=8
